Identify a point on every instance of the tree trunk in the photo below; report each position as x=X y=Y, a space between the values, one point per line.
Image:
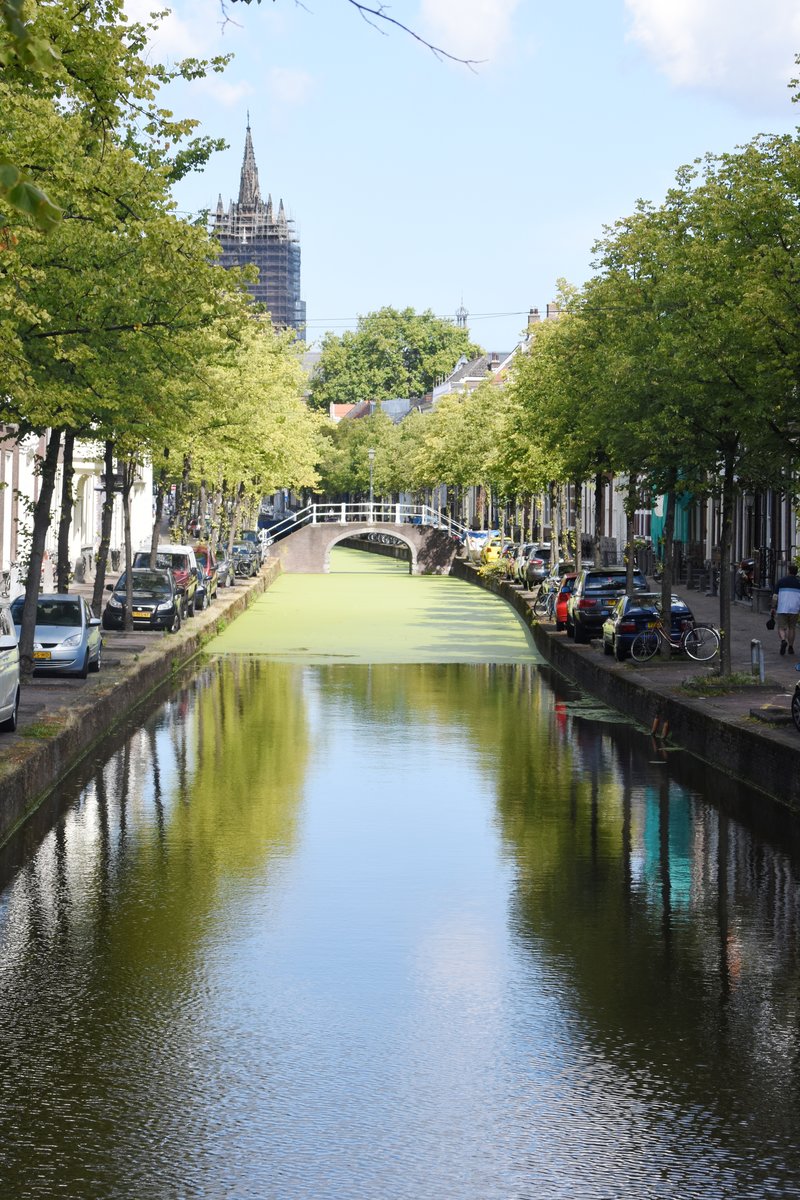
x=237 y=500
x=631 y=504
x=578 y=526
x=65 y=519
x=158 y=515
x=564 y=502
x=101 y=562
x=41 y=523
x=128 y=474
x=599 y=514
x=669 y=541
x=726 y=530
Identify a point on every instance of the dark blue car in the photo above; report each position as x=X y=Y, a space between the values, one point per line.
x=631 y=614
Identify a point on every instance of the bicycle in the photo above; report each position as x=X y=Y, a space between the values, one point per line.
x=701 y=642
x=544 y=606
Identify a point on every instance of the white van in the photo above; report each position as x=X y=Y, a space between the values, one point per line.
x=9 y=672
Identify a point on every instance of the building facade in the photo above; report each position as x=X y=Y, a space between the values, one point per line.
x=250 y=232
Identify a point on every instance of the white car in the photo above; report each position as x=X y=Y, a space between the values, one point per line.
x=9 y=672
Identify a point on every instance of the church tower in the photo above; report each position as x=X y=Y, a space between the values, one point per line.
x=250 y=232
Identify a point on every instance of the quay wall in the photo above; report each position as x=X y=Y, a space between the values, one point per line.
x=739 y=747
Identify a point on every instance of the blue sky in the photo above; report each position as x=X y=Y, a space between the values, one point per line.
x=419 y=182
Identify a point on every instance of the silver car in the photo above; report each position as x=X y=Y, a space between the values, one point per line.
x=9 y=672
x=67 y=636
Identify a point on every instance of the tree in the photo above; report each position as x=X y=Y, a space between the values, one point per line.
x=392 y=354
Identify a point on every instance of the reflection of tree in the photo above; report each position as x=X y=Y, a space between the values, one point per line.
x=100 y=982
x=650 y=907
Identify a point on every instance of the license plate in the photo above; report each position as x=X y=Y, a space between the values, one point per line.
x=140 y=616
x=41 y=655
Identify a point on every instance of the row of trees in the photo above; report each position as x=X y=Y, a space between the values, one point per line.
x=674 y=369
x=117 y=325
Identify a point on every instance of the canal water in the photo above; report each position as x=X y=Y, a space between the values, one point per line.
x=430 y=925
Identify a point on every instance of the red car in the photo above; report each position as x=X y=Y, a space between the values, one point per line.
x=565 y=589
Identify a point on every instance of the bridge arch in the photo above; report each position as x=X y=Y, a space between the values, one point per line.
x=351 y=531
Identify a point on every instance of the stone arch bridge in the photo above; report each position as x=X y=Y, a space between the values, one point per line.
x=304 y=542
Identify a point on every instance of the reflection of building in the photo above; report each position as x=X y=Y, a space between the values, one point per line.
x=250 y=232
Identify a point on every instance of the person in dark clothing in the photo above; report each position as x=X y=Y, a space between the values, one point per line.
x=786 y=604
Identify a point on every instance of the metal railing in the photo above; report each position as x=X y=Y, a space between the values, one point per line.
x=360 y=513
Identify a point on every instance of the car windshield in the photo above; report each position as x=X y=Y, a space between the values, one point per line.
x=146 y=581
x=164 y=560
x=64 y=613
x=604 y=583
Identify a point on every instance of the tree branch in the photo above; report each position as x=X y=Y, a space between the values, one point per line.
x=379 y=13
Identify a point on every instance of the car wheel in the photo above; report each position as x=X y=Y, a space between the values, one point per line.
x=95 y=665
x=561 y=625
x=176 y=621
x=607 y=647
x=191 y=606
x=619 y=652
x=84 y=671
x=796 y=711
x=10 y=723
x=580 y=635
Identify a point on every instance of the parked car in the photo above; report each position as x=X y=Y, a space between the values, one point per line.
x=521 y=559
x=631 y=614
x=566 y=586
x=157 y=601
x=596 y=592
x=226 y=571
x=565 y=566
x=67 y=636
x=493 y=547
x=796 y=706
x=538 y=564
x=253 y=537
x=182 y=562
x=245 y=559
x=207 y=576
x=9 y=672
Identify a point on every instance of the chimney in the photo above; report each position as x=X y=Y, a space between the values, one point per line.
x=533 y=319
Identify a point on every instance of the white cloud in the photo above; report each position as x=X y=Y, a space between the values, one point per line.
x=177 y=36
x=224 y=92
x=289 y=87
x=738 y=49
x=475 y=29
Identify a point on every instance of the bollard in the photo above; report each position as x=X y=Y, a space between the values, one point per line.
x=757 y=659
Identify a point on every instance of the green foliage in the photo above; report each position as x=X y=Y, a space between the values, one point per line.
x=392 y=354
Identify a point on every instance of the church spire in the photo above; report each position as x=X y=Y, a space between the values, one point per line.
x=249 y=194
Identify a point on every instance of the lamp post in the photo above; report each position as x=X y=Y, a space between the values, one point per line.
x=371 y=456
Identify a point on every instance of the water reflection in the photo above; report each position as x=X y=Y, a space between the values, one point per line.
x=397 y=931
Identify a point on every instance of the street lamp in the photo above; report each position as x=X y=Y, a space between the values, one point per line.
x=371 y=456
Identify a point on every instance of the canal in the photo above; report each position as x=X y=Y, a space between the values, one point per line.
x=372 y=905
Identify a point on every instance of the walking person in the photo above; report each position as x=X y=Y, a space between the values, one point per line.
x=786 y=603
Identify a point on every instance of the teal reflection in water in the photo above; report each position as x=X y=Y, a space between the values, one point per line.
x=396 y=931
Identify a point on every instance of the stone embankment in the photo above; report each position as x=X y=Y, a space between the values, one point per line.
x=62 y=719
x=746 y=733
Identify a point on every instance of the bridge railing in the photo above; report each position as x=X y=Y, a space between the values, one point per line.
x=360 y=513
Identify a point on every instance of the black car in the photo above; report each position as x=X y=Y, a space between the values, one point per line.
x=156 y=601
x=246 y=559
x=796 y=707
x=633 y=614
x=596 y=593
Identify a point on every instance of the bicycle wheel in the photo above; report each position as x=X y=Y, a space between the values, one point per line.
x=701 y=643
x=644 y=645
x=540 y=605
